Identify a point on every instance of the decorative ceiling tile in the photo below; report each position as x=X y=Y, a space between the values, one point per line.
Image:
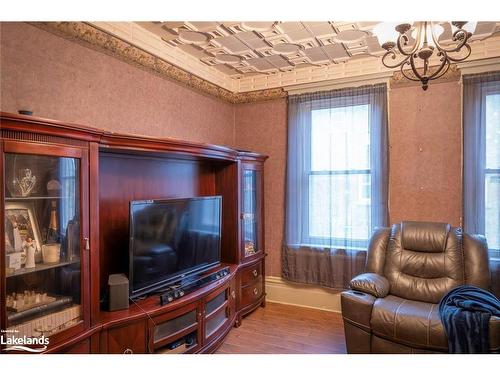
x=240 y=50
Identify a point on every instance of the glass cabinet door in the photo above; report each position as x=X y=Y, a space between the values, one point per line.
x=43 y=268
x=251 y=212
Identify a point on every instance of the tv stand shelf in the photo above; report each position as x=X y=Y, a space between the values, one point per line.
x=151 y=304
x=162 y=325
x=115 y=169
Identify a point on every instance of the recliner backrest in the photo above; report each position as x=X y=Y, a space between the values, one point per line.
x=424 y=260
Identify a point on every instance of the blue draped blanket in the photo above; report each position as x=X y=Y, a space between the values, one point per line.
x=465 y=313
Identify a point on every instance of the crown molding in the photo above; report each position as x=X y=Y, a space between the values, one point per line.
x=398 y=80
x=132 y=33
x=92 y=37
x=114 y=39
x=480 y=66
x=369 y=79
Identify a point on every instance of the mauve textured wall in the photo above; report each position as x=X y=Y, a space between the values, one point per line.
x=63 y=80
x=425 y=153
x=423 y=185
x=262 y=127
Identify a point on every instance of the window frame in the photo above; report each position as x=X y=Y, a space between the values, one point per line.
x=319 y=241
x=485 y=92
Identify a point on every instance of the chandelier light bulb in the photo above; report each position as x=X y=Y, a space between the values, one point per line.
x=470 y=26
x=431 y=28
x=386 y=32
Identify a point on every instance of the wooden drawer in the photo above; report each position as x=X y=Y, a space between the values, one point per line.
x=174 y=325
x=251 y=293
x=128 y=339
x=250 y=274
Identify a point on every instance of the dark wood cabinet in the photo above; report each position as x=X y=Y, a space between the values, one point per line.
x=125 y=339
x=85 y=179
x=82 y=347
x=45 y=269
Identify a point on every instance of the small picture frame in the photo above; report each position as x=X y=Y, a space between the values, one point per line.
x=20 y=224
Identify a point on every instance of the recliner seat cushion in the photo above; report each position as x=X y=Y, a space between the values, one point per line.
x=408 y=322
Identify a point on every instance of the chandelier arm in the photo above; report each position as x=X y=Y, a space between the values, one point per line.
x=392 y=54
x=458 y=59
x=414 y=70
x=405 y=38
x=409 y=77
x=439 y=73
x=443 y=72
x=462 y=41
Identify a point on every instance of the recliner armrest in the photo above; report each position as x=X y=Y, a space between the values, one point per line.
x=371 y=283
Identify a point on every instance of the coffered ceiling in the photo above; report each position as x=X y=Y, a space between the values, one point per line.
x=246 y=56
x=243 y=49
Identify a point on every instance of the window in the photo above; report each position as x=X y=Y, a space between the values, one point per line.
x=336 y=182
x=492 y=170
x=339 y=177
x=482 y=159
x=337 y=168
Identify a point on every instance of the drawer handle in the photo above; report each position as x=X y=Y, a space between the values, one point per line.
x=255 y=291
x=128 y=351
x=233 y=294
x=255 y=273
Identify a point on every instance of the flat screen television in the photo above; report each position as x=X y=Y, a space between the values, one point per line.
x=172 y=239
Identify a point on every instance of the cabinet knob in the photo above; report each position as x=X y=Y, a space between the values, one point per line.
x=87 y=243
x=255 y=273
x=255 y=291
x=233 y=294
x=128 y=351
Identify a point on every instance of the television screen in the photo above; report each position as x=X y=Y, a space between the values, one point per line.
x=171 y=239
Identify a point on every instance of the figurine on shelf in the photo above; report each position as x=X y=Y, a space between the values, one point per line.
x=27 y=300
x=29 y=248
x=18 y=242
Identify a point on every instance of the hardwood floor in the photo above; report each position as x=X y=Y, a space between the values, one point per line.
x=283 y=329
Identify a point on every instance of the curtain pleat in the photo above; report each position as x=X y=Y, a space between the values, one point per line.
x=336 y=183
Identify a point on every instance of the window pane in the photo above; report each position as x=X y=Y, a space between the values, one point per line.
x=340 y=138
x=339 y=206
x=492 y=183
x=492 y=210
x=493 y=131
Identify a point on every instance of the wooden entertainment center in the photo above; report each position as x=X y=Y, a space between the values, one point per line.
x=97 y=174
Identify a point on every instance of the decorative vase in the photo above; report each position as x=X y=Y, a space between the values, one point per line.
x=21 y=182
x=51 y=253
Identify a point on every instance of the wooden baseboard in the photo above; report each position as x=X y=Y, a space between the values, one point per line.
x=282 y=291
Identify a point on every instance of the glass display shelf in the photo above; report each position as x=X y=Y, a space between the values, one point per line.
x=33 y=198
x=250 y=211
x=38 y=268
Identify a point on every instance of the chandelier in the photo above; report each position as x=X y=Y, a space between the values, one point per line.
x=416 y=55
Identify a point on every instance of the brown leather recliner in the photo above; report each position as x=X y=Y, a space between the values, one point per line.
x=393 y=308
